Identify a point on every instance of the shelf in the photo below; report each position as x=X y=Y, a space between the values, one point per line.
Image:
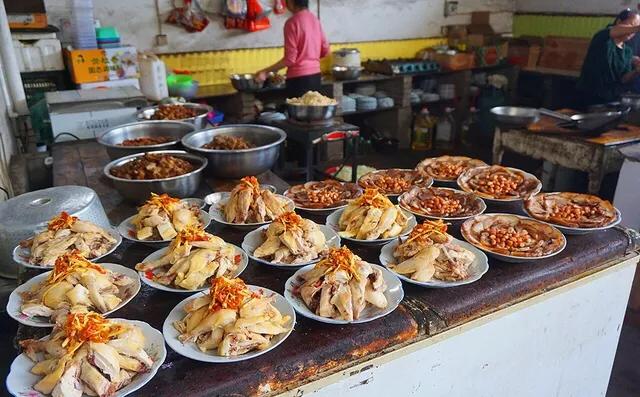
x=357 y=112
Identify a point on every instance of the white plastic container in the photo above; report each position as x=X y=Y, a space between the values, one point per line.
x=83 y=24
x=153 y=77
x=38 y=56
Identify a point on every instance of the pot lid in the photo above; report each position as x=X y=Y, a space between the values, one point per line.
x=37 y=207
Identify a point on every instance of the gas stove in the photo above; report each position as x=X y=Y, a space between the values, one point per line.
x=401 y=66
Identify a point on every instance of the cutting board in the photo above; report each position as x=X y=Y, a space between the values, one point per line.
x=625 y=133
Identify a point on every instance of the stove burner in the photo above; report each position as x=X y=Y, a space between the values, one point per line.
x=401 y=66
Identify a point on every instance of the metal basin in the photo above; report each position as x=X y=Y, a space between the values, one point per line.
x=515 y=116
x=199 y=121
x=154 y=128
x=346 y=73
x=246 y=82
x=179 y=186
x=311 y=113
x=238 y=163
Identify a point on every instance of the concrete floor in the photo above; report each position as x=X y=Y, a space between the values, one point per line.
x=625 y=377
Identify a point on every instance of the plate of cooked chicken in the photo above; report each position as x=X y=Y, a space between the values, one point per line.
x=371 y=219
x=190 y=261
x=343 y=289
x=430 y=257
x=230 y=322
x=248 y=206
x=73 y=284
x=447 y=169
x=290 y=241
x=513 y=238
x=160 y=219
x=65 y=233
x=573 y=213
x=499 y=184
x=88 y=355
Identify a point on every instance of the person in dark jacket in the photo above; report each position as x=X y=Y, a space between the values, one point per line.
x=610 y=63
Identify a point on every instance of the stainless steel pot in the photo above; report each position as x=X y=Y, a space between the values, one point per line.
x=631 y=100
x=238 y=163
x=179 y=186
x=199 y=121
x=515 y=116
x=346 y=73
x=152 y=128
x=22 y=216
x=246 y=82
x=311 y=113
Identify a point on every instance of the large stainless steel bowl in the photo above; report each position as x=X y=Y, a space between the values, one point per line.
x=139 y=190
x=112 y=139
x=246 y=82
x=238 y=163
x=199 y=121
x=346 y=73
x=311 y=113
x=515 y=116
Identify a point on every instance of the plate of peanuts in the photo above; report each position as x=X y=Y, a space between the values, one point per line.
x=441 y=203
x=447 y=169
x=573 y=213
x=499 y=184
x=513 y=238
x=394 y=181
x=323 y=196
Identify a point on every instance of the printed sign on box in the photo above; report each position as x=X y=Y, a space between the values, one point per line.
x=90 y=66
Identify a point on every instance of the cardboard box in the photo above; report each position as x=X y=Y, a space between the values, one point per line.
x=492 y=54
x=480 y=31
x=459 y=61
x=27 y=21
x=564 y=53
x=456 y=35
x=90 y=66
x=525 y=52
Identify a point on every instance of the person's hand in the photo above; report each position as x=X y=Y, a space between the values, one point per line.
x=261 y=76
x=636 y=62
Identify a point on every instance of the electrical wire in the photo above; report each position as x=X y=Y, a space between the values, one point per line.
x=6 y=192
x=66 y=133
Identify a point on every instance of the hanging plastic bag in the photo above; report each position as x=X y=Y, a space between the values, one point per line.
x=235 y=8
x=190 y=16
x=279 y=7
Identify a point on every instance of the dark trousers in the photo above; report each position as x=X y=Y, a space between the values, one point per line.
x=298 y=86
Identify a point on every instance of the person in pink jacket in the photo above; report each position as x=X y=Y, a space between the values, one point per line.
x=304 y=45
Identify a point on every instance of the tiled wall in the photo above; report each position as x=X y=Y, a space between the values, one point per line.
x=214 y=67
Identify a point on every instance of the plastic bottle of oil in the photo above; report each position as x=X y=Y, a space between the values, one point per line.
x=423 y=129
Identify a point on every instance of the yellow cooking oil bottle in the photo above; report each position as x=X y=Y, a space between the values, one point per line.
x=423 y=130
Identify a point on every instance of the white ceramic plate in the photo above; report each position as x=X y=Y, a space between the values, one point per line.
x=501 y=201
x=334 y=219
x=218 y=200
x=255 y=239
x=394 y=295
x=324 y=211
x=15 y=300
x=477 y=269
x=244 y=260
x=580 y=230
x=126 y=228
x=190 y=350
x=483 y=208
x=20 y=381
x=21 y=254
x=516 y=259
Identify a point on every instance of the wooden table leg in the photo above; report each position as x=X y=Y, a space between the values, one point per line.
x=498 y=150
x=595 y=181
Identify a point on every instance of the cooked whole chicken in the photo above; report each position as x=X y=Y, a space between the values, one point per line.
x=372 y=216
x=66 y=233
x=248 y=203
x=430 y=253
x=292 y=240
x=231 y=319
x=162 y=217
x=76 y=284
x=191 y=259
x=342 y=285
x=87 y=355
